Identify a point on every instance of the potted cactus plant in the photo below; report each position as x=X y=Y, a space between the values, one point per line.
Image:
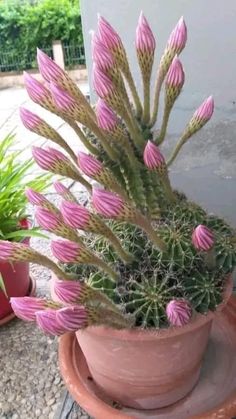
x=15 y=176
x=141 y=268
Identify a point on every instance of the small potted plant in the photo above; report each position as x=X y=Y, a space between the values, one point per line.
x=141 y=268
x=15 y=176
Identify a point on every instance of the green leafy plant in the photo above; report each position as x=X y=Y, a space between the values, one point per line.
x=25 y=26
x=148 y=257
x=15 y=176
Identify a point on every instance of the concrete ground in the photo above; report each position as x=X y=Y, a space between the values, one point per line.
x=30 y=384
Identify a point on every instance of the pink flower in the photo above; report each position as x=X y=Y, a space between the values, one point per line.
x=62 y=99
x=65 y=251
x=175 y=75
x=152 y=156
x=178 y=36
x=34 y=197
x=72 y=318
x=145 y=40
x=60 y=188
x=29 y=119
x=106 y=118
x=178 y=312
x=202 y=238
x=48 y=68
x=47 y=321
x=107 y=203
x=36 y=90
x=100 y=54
x=47 y=219
x=7 y=250
x=107 y=34
x=102 y=84
x=205 y=110
x=48 y=159
x=89 y=165
x=68 y=292
x=26 y=307
x=75 y=215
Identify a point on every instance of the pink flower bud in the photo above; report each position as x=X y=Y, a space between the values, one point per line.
x=7 y=250
x=75 y=215
x=175 y=75
x=107 y=204
x=48 y=159
x=106 y=118
x=29 y=119
x=178 y=36
x=72 y=318
x=100 y=54
x=62 y=99
x=89 y=165
x=34 y=197
x=152 y=156
x=178 y=312
x=65 y=251
x=102 y=84
x=68 y=292
x=203 y=238
x=48 y=68
x=36 y=90
x=26 y=307
x=145 y=40
x=107 y=34
x=47 y=219
x=47 y=321
x=60 y=188
x=205 y=110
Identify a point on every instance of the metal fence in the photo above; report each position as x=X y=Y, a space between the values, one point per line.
x=11 y=61
x=74 y=55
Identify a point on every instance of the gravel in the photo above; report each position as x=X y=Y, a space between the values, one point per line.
x=30 y=382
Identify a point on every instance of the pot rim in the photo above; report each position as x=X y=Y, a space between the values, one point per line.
x=195 y=323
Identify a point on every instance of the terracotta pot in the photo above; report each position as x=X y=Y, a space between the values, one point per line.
x=147 y=369
x=17 y=282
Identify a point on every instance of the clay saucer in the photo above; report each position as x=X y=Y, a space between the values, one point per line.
x=12 y=315
x=213 y=397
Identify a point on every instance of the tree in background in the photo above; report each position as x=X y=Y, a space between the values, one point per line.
x=25 y=25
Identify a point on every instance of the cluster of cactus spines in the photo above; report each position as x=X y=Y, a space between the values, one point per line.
x=140 y=254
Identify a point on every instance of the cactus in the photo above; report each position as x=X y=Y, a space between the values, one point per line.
x=155 y=258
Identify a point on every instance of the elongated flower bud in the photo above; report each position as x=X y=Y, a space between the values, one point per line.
x=67 y=104
x=145 y=45
x=75 y=215
x=203 y=238
x=111 y=205
x=64 y=192
x=108 y=35
x=35 y=124
x=174 y=81
x=69 y=292
x=51 y=221
x=178 y=312
x=178 y=37
x=67 y=251
x=200 y=117
x=106 y=118
x=26 y=307
x=56 y=162
x=101 y=54
x=72 y=318
x=48 y=323
x=38 y=92
x=102 y=84
x=36 y=198
x=153 y=158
